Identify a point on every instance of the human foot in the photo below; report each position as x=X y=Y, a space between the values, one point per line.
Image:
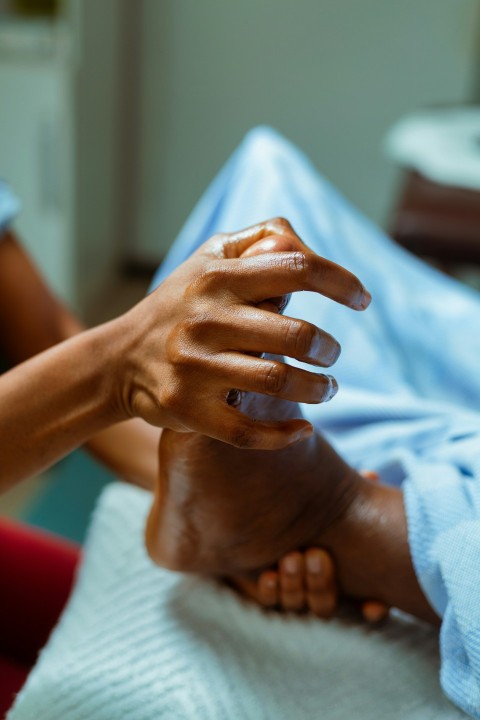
x=221 y=510
x=305 y=582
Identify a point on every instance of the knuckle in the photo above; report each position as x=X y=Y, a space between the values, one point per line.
x=243 y=436
x=219 y=244
x=300 y=336
x=211 y=277
x=296 y=262
x=274 y=378
x=176 y=346
x=198 y=326
x=281 y=223
x=183 y=344
x=219 y=237
x=170 y=399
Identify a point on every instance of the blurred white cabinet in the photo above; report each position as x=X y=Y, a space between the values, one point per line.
x=34 y=137
x=58 y=142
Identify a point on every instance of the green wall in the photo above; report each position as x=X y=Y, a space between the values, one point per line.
x=333 y=75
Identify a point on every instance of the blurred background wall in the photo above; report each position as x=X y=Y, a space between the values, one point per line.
x=332 y=75
x=115 y=115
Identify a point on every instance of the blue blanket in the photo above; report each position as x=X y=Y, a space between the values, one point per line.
x=409 y=399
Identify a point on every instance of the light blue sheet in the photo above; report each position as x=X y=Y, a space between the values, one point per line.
x=409 y=399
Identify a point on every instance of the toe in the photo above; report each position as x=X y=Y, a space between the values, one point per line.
x=371 y=475
x=268 y=588
x=320 y=581
x=374 y=612
x=320 y=573
x=292 y=592
x=324 y=605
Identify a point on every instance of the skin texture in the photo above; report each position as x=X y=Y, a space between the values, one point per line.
x=173 y=359
x=212 y=329
x=222 y=511
x=306 y=582
x=32 y=320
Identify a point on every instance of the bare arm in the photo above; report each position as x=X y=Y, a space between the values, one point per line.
x=53 y=403
x=32 y=320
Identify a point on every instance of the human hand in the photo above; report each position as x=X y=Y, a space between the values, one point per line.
x=186 y=345
x=303 y=582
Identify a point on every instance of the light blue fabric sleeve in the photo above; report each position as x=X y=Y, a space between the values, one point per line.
x=9 y=206
x=409 y=377
x=442 y=501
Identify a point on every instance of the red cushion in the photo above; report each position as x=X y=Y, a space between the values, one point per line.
x=12 y=677
x=37 y=571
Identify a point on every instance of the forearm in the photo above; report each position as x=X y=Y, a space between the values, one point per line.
x=372 y=554
x=130 y=450
x=33 y=320
x=55 y=401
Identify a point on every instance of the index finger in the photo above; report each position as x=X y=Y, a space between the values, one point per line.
x=255 y=278
x=233 y=245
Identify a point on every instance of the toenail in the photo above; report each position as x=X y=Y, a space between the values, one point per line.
x=314 y=564
x=290 y=565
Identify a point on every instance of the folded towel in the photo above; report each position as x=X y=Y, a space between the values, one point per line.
x=139 y=642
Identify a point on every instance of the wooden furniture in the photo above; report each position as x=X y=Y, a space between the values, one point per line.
x=437 y=222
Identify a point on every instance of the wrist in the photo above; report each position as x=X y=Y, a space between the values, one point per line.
x=107 y=348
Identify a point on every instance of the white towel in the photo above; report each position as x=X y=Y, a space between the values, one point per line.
x=140 y=643
x=442 y=144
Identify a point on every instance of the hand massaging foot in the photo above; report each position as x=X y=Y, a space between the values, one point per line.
x=223 y=511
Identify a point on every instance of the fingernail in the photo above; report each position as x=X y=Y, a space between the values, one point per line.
x=332 y=388
x=291 y=565
x=303 y=434
x=314 y=564
x=366 y=300
x=335 y=354
x=317 y=350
